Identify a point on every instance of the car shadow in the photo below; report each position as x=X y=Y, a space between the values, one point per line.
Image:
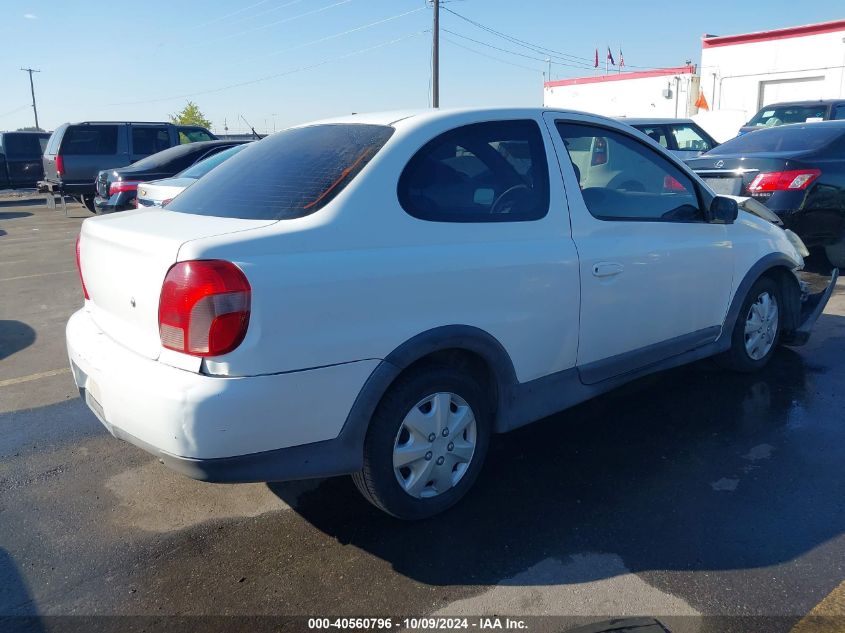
x=693 y=468
x=13 y=215
x=14 y=336
x=23 y=613
x=22 y=202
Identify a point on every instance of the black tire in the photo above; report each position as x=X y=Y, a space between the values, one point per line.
x=378 y=482
x=88 y=201
x=737 y=357
x=836 y=254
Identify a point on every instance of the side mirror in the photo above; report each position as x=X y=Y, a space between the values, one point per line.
x=723 y=210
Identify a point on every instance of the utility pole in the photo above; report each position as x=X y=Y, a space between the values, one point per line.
x=32 y=88
x=435 y=57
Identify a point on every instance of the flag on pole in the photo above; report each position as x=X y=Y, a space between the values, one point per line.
x=621 y=59
x=610 y=57
x=597 y=59
x=701 y=102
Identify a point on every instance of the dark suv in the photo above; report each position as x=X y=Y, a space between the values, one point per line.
x=76 y=152
x=20 y=159
x=795 y=112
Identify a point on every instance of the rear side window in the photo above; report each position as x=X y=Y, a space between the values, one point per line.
x=21 y=146
x=193 y=135
x=287 y=175
x=838 y=111
x=656 y=132
x=90 y=139
x=204 y=166
x=688 y=138
x=484 y=172
x=149 y=140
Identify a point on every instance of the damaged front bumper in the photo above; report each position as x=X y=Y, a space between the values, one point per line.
x=812 y=305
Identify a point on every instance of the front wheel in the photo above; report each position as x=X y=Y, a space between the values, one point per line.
x=757 y=329
x=426 y=443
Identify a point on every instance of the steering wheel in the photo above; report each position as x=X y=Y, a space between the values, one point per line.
x=503 y=198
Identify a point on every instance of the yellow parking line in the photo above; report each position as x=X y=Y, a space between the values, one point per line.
x=58 y=272
x=828 y=616
x=43 y=374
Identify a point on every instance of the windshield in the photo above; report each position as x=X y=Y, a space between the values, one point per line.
x=286 y=175
x=204 y=166
x=793 y=138
x=782 y=115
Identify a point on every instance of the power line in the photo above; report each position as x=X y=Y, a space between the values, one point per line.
x=284 y=20
x=276 y=75
x=504 y=50
x=18 y=109
x=543 y=50
x=498 y=59
x=330 y=37
x=229 y=15
x=265 y=12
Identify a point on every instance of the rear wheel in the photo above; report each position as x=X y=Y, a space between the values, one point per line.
x=836 y=253
x=757 y=329
x=426 y=443
x=88 y=201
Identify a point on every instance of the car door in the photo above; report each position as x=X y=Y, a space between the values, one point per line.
x=655 y=275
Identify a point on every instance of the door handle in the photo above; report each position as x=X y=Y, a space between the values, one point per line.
x=607 y=269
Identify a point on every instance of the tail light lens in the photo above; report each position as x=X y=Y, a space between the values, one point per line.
x=79 y=268
x=793 y=180
x=599 y=156
x=204 y=307
x=119 y=186
x=60 y=165
x=671 y=185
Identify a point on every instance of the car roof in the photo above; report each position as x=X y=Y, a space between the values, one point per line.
x=654 y=121
x=422 y=116
x=809 y=102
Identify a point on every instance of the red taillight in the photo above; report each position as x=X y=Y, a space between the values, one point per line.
x=599 y=156
x=60 y=165
x=795 y=180
x=119 y=186
x=79 y=268
x=672 y=185
x=204 y=307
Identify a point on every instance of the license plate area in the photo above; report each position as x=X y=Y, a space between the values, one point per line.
x=725 y=186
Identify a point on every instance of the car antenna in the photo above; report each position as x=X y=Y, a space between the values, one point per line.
x=254 y=133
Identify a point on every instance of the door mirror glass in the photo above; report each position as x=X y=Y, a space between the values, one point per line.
x=723 y=210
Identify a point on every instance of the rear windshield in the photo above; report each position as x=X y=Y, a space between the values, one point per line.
x=21 y=145
x=782 y=115
x=206 y=165
x=286 y=175
x=175 y=158
x=793 y=138
x=90 y=139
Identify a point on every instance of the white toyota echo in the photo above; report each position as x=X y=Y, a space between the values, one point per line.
x=377 y=294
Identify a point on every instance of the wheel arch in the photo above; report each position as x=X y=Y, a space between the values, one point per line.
x=463 y=346
x=780 y=268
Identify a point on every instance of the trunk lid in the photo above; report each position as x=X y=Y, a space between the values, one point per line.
x=124 y=259
x=151 y=194
x=731 y=174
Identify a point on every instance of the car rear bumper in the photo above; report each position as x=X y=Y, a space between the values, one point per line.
x=123 y=201
x=259 y=428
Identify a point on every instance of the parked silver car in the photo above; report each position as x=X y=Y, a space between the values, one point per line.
x=157 y=193
x=683 y=137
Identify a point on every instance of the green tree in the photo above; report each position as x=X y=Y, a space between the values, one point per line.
x=190 y=115
x=30 y=128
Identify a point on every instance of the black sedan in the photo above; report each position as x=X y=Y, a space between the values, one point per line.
x=117 y=188
x=797 y=171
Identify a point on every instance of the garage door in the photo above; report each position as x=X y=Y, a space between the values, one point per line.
x=781 y=90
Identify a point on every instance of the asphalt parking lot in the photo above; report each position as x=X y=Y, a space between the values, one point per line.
x=692 y=492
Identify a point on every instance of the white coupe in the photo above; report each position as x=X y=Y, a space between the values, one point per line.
x=376 y=295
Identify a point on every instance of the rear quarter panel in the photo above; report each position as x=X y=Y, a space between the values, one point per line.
x=360 y=277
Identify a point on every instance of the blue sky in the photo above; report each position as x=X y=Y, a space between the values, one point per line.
x=120 y=60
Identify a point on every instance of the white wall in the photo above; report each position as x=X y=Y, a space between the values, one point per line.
x=748 y=75
x=625 y=94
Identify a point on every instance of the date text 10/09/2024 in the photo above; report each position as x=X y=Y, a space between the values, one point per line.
x=418 y=624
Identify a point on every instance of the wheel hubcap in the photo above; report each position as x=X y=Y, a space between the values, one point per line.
x=435 y=445
x=761 y=326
